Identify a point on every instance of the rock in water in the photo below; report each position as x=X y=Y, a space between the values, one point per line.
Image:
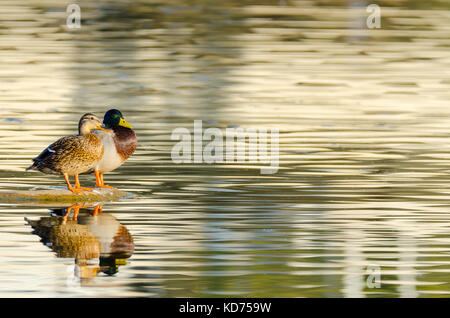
x=62 y=196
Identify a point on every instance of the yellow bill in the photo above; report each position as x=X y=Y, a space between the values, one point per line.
x=124 y=123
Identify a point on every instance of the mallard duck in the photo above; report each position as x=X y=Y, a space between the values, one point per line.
x=120 y=143
x=73 y=155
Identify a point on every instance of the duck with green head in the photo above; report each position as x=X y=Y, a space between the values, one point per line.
x=73 y=155
x=120 y=143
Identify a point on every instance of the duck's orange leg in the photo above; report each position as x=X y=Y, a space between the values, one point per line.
x=78 y=186
x=99 y=181
x=76 y=208
x=98 y=209
x=103 y=182
x=69 y=186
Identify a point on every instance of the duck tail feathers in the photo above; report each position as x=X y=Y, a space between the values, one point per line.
x=32 y=167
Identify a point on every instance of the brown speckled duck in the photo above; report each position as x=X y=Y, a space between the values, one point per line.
x=73 y=155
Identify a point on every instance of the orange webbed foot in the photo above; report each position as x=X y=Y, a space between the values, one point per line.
x=100 y=183
x=75 y=190
x=84 y=189
x=104 y=186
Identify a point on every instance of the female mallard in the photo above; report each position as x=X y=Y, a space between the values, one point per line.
x=72 y=155
x=120 y=143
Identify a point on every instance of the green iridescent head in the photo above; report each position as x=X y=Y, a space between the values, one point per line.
x=114 y=118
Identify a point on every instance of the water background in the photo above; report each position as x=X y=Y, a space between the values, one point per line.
x=364 y=123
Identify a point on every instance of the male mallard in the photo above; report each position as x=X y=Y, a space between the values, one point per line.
x=72 y=155
x=120 y=143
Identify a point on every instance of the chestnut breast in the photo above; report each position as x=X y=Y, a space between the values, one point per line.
x=119 y=145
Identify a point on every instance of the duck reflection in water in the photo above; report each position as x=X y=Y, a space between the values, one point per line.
x=96 y=240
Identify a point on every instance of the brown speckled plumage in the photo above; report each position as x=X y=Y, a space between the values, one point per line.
x=72 y=155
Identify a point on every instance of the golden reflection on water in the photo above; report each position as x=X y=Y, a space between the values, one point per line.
x=96 y=240
x=363 y=118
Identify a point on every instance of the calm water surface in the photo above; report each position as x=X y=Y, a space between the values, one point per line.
x=364 y=169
